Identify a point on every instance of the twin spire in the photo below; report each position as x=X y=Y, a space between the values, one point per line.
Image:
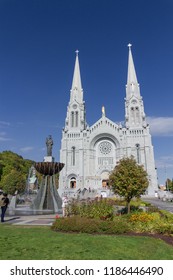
x=132 y=87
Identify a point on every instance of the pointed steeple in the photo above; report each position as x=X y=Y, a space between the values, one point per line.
x=76 y=76
x=131 y=76
x=132 y=87
x=76 y=89
x=76 y=115
x=134 y=108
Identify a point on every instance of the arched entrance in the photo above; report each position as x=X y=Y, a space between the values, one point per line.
x=105 y=179
x=73 y=183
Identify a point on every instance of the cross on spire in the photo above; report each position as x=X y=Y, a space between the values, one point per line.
x=77 y=51
x=129 y=45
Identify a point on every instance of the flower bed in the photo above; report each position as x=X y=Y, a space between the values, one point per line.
x=99 y=217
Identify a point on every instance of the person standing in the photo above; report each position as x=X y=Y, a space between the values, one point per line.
x=64 y=205
x=6 y=201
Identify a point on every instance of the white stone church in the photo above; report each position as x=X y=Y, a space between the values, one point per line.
x=90 y=153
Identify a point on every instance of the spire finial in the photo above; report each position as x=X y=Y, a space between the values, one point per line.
x=77 y=51
x=129 y=45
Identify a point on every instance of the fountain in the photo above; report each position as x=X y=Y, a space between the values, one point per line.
x=47 y=199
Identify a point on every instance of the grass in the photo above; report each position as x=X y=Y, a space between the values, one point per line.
x=41 y=243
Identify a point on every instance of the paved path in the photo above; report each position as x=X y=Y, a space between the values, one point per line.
x=47 y=220
x=37 y=220
x=164 y=205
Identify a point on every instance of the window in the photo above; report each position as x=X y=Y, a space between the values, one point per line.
x=73 y=156
x=137 y=117
x=138 y=153
x=72 y=119
x=76 y=118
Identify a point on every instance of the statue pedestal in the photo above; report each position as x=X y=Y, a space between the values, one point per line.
x=48 y=159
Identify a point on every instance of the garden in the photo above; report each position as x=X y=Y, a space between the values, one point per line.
x=94 y=230
x=109 y=216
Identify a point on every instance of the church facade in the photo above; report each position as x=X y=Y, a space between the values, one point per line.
x=90 y=153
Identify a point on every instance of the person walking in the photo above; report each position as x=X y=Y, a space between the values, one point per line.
x=6 y=201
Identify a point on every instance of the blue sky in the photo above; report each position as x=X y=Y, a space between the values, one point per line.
x=38 y=39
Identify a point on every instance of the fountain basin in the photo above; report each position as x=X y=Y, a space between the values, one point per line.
x=48 y=168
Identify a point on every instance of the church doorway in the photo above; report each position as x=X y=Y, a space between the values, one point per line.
x=73 y=183
x=105 y=183
x=105 y=179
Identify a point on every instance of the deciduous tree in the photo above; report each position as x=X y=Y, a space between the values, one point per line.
x=13 y=172
x=128 y=179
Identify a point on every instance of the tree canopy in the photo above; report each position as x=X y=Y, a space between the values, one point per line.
x=13 y=172
x=169 y=184
x=128 y=179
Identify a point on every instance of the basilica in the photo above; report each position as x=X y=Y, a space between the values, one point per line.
x=90 y=153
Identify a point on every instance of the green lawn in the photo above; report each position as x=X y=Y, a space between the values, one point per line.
x=33 y=243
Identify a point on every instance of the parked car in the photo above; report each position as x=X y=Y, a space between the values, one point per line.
x=165 y=195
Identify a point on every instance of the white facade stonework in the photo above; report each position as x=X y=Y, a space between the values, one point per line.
x=91 y=153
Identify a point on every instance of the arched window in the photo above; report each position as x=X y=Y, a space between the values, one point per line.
x=132 y=115
x=76 y=118
x=138 y=153
x=73 y=182
x=73 y=156
x=137 y=115
x=72 y=119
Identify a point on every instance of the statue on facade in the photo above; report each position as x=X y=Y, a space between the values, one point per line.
x=49 y=144
x=103 y=111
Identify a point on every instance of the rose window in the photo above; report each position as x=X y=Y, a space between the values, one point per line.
x=105 y=147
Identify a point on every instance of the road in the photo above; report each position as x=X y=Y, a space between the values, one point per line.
x=165 y=205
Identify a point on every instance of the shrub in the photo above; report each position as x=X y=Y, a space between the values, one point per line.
x=97 y=217
x=118 y=226
x=163 y=228
x=83 y=224
x=102 y=209
x=166 y=215
x=75 y=224
x=141 y=217
x=150 y=223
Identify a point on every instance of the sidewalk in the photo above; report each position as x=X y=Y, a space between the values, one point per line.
x=36 y=220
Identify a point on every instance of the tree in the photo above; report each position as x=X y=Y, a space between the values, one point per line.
x=15 y=180
x=129 y=180
x=13 y=172
x=169 y=184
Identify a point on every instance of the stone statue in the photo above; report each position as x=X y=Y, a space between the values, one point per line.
x=49 y=144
